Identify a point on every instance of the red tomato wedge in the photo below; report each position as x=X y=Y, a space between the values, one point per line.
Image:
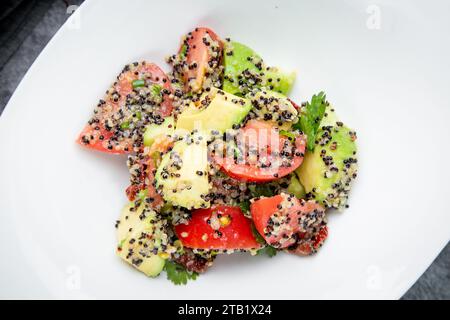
x=96 y=137
x=203 y=50
x=103 y=132
x=267 y=155
x=276 y=226
x=287 y=222
x=220 y=227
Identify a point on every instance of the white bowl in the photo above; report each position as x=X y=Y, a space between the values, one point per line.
x=386 y=70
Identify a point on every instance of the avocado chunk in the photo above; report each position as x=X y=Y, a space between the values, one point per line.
x=273 y=107
x=143 y=240
x=329 y=117
x=222 y=111
x=296 y=188
x=244 y=70
x=152 y=131
x=182 y=175
x=129 y=218
x=327 y=172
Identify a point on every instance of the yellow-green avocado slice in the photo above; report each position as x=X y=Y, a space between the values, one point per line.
x=224 y=110
x=182 y=174
x=328 y=171
x=242 y=63
x=130 y=227
x=152 y=131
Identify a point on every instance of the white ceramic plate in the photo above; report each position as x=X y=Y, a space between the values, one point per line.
x=386 y=70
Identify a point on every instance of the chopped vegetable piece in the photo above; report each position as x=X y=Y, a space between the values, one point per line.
x=268 y=155
x=205 y=230
x=286 y=222
x=178 y=274
x=311 y=117
x=109 y=129
x=138 y=83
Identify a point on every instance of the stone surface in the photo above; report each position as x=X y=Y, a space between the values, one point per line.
x=38 y=22
x=33 y=26
x=435 y=282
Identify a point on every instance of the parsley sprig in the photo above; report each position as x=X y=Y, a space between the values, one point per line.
x=261 y=190
x=245 y=206
x=311 y=117
x=269 y=250
x=178 y=274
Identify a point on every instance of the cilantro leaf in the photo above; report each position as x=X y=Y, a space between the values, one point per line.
x=261 y=190
x=257 y=236
x=178 y=274
x=269 y=250
x=311 y=117
x=245 y=206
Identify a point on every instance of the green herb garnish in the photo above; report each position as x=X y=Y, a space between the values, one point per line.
x=155 y=90
x=311 y=117
x=257 y=236
x=261 y=190
x=121 y=243
x=183 y=51
x=142 y=194
x=245 y=206
x=178 y=274
x=125 y=125
x=269 y=250
x=139 y=115
x=138 y=83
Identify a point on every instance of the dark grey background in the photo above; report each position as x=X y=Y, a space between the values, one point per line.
x=25 y=28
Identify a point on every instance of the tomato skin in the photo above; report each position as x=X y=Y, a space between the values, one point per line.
x=263 y=210
x=251 y=173
x=301 y=224
x=198 y=52
x=92 y=133
x=124 y=85
x=96 y=143
x=199 y=234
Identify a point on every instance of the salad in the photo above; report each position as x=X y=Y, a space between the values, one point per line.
x=220 y=159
